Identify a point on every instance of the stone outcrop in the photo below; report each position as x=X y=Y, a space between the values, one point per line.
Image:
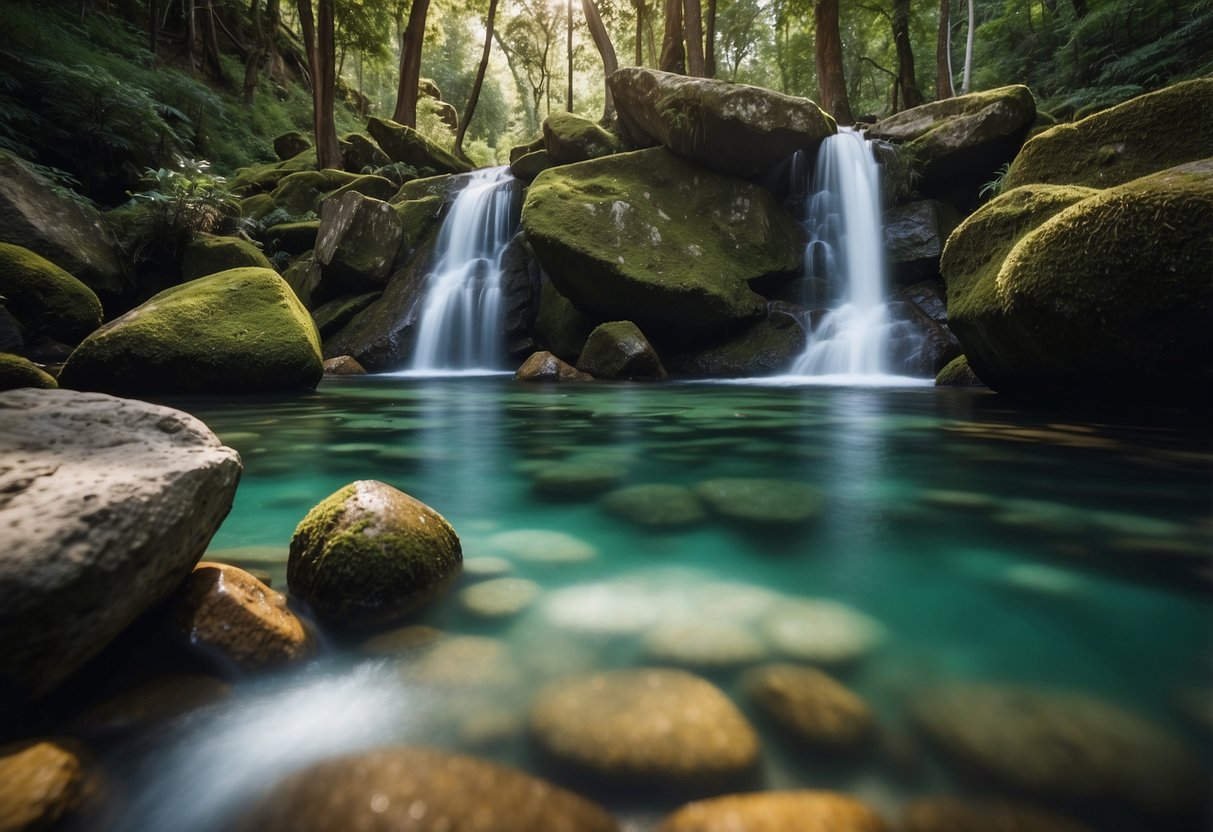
x=44 y=298
x=358 y=241
x=404 y=144
x=619 y=350
x=571 y=138
x=209 y=255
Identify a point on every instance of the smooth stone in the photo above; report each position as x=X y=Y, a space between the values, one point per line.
x=823 y=632
x=486 y=567
x=704 y=643
x=466 y=662
x=402 y=640
x=543 y=366
x=618 y=608
x=343 y=365
x=764 y=502
x=779 y=811
x=953 y=814
x=816 y=709
x=572 y=480
x=500 y=597
x=542 y=546
x=45 y=783
x=655 y=506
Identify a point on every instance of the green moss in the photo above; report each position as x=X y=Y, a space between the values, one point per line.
x=210 y=255
x=335 y=314
x=301 y=193
x=44 y=298
x=303 y=276
x=1146 y=134
x=561 y=326
x=439 y=186
x=418 y=217
x=293 y=237
x=404 y=144
x=917 y=124
x=530 y=165
x=571 y=138
x=265 y=177
x=16 y=372
x=257 y=207
x=376 y=187
x=618 y=349
x=957 y=373
x=237 y=331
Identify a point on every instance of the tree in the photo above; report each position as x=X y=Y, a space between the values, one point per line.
x=568 y=6
x=531 y=35
x=968 y=71
x=606 y=50
x=528 y=102
x=470 y=109
x=831 y=83
x=709 y=37
x=641 y=11
x=410 y=65
x=320 y=43
x=693 y=31
x=673 y=56
x=943 y=52
x=210 y=42
x=907 y=84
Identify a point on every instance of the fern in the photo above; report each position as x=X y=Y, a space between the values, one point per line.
x=995 y=186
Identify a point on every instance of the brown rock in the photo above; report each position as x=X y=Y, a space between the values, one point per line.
x=44 y=782
x=791 y=811
x=543 y=366
x=343 y=365
x=811 y=705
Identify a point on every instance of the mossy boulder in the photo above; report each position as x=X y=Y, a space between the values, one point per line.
x=291 y=144
x=44 y=298
x=1141 y=136
x=258 y=179
x=404 y=144
x=257 y=206
x=1108 y=297
x=301 y=193
x=958 y=373
x=730 y=128
x=376 y=187
x=16 y=372
x=530 y=165
x=560 y=325
x=239 y=331
x=767 y=503
x=303 y=276
x=369 y=555
x=361 y=155
x=655 y=506
x=211 y=255
x=292 y=237
x=358 y=241
x=767 y=347
x=619 y=350
x=418 y=218
x=648 y=237
x=572 y=138
x=338 y=312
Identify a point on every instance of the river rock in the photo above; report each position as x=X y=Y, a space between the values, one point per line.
x=619 y=350
x=292 y=237
x=369 y=555
x=16 y=372
x=575 y=480
x=358 y=241
x=655 y=506
x=232 y=618
x=1107 y=298
x=704 y=643
x=731 y=128
x=802 y=811
x=767 y=347
x=44 y=298
x=649 y=238
x=958 y=373
x=360 y=155
x=822 y=632
x=466 y=663
x=761 y=502
x=914 y=236
x=1144 y=135
x=45 y=784
x=559 y=325
x=402 y=640
x=500 y=597
x=572 y=138
x=210 y=255
x=958 y=144
x=541 y=546
x=404 y=144
x=543 y=366
x=106 y=505
x=814 y=708
x=333 y=316
x=530 y=165
x=926 y=345
x=420 y=790
x=343 y=365
x=239 y=331
x=645 y=727
x=68 y=232
x=1062 y=744
x=952 y=814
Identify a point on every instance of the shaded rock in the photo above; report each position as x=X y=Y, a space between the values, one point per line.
x=928 y=296
x=332 y=316
x=421 y=790
x=767 y=347
x=572 y=138
x=576 y=480
x=925 y=344
x=543 y=366
x=560 y=325
x=447 y=114
x=958 y=373
x=303 y=276
x=402 y=640
x=209 y=255
x=301 y=192
x=237 y=331
x=811 y=706
x=68 y=232
x=257 y=207
x=500 y=597
x=821 y=632
x=649 y=238
x=647 y=727
x=731 y=128
x=44 y=298
x=914 y=237
x=232 y=618
x=803 y=811
x=1128 y=141
x=343 y=365
x=486 y=567
x=291 y=144
x=17 y=372
x=361 y=155
x=532 y=164
x=520 y=150
x=951 y=814
x=655 y=506
x=150 y=704
x=12 y=334
x=358 y=241
x=703 y=643
x=521 y=279
x=45 y=783
x=369 y=555
x=292 y=237
x=619 y=350
x=375 y=187
x=541 y=546
x=418 y=221
x=764 y=502
x=259 y=179
x=404 y=144
x=106 y=505
x=1062 y=744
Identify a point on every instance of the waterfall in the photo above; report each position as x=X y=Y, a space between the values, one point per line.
x=845 y=261
x=460 y=325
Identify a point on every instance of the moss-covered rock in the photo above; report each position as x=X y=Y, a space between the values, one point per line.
x=520 y=150
x=361 y=155
x=292 y=237
x=16 y=372
x=239 y=331
x=418 y=218
x=647 y=237
x=765 y=348
x=369 y=555
x=258 y=179
x=376 y=187
x=731 y=128
x=560 y=325
x=619 y=350
x=303 y=276
x=529 y=166
x=291 y=144
x=762 y=502
x=1107 y=298
x=958 y=373
x=404 y=144
x=1131 y=140
x=358 y=241
x=301 y=193
x=257 y=206
x=338 y=312
x=44 y=298
x=209 y=255
x=572 y=138
x=655 y=506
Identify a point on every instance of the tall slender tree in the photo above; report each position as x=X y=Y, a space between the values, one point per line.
x=709 y=40
x=907 y=83
x=673 y=56
x=606 y=51
x=568 y=7
x=470 y=109
x=640 y=14
x=410 y=64
x=692 y=24
x=320 y=43
x=831 y=82
x=943 y=52
x=968 y=70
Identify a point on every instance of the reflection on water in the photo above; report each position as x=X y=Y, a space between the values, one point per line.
x=905 y=540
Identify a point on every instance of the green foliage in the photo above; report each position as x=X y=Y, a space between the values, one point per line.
x=178 y=205
x=995 y=186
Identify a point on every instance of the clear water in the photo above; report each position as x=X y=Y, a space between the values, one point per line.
x=990 y=543
x=461 y=320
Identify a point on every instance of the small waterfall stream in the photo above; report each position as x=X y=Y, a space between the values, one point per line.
x=460 y=321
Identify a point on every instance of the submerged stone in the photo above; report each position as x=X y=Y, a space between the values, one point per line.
x=655 y=506
x=704 y=643
x=816 y=709
x=952 y=814
x=777 y=811
x=576 y=480
x=763 y=502
x=541 y=546
x=822 y=632
x=149 y=705
x=45 y=784
x=500 y=597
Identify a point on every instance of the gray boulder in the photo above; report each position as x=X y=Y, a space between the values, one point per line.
x=914 y=236
x=358 y=240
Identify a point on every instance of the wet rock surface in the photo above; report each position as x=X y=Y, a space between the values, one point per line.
x=803 y=811
x=816 y=709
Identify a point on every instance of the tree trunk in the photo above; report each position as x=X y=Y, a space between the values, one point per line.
x=410 y=65
x=943 y=52
x=606 y=50
x=318 y=40
x=252 y=67
x=191 y=33
x=470 y=109
x=673 y=57
x=153 y=28
x=210 y=42
x=639 y=4
x=693 y=30
x=831 y=82
x=568 y=7
x=968 y=71
x=709 y=41
x=910 y=95
x=650 y=37
x=273 y=19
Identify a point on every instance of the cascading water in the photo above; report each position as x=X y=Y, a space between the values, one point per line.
x=460 y=325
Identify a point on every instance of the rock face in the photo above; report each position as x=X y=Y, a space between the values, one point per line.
x=914 y=236
x=570 y=138
x=44 y=784
x=64 y=231
x=1064 y=291
x=106 y=505
x=543 y=366
x=211 y=255
x=232 y=618
x=645 y=727
x=731 y=128
x=343 y=365
x=369 y=555
x=958 y=143
x=237 y=331
x=811 y=706
x=1131 y=140
x=420 y=790
x=619 y=350
x=358 y=241
x=44 y=298
x=1062 y=744
x=649 y=238
x=404 y=144
x=765 y=348
x=16 y=372
x=803 y=811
